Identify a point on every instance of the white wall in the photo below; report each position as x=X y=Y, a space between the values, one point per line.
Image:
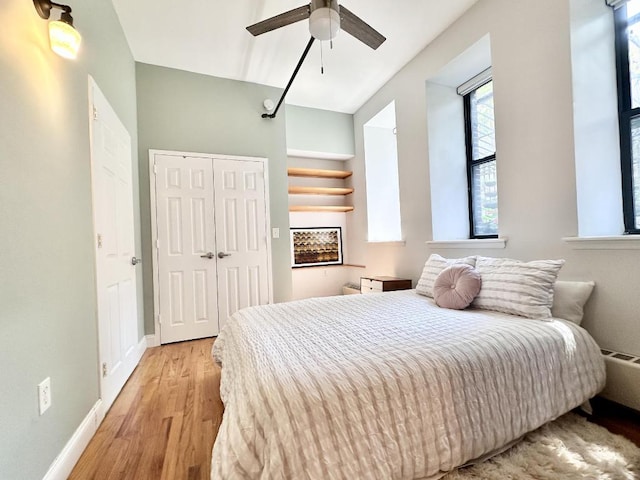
x=533 y=87
x=448 y=163
x=383 y=196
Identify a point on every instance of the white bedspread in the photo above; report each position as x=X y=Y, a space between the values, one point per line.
x=388 y=386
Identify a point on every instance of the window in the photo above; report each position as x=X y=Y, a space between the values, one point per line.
x=383 y=189
x=448 y=179
x=627 y=26
x=481 y=156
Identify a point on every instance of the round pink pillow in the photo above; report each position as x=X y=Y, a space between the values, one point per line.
x=456 y=286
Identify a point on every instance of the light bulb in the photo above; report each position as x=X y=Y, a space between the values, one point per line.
x=324 y=23
x=65 y=40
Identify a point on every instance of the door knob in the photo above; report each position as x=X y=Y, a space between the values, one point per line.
x=209 y=255
x=222 y=254
x=135 y=261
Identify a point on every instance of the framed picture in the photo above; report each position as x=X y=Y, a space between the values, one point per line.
x=312 y=247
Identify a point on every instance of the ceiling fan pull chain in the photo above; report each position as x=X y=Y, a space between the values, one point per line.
x=330 y=36
x=321 y=60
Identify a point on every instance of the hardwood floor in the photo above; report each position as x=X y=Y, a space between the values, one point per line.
x=617 y=419
x=163 y=424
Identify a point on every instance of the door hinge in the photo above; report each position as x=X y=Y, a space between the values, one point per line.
x=95 y=113
x=155 y=169
x=104 y=369
x=157 y=243
x=99 y=240
x=159 y=320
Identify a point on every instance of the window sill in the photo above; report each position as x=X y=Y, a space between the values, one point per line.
x=617 y=242
x=488 y=243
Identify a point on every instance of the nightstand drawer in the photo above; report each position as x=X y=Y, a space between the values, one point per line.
x=370 y=285
x=383 y=284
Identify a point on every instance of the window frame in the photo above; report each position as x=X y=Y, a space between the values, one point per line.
x=626 y=114
x=471 y=163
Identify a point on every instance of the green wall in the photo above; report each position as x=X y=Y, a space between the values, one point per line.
x=321 y=131
x=47 y=287
x=189 y=112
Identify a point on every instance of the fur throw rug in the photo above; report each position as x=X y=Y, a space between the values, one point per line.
x=570 y=448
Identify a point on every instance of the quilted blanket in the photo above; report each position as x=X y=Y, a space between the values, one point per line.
x=388 y=386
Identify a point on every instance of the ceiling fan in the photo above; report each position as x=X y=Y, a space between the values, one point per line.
x=326 y=19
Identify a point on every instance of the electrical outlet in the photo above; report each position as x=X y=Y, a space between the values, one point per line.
x=44 y=394
x=275 y=232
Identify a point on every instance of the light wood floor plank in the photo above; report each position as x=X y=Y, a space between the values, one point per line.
x=163 y=423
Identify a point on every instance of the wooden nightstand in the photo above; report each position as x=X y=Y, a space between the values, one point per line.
x=383 y=284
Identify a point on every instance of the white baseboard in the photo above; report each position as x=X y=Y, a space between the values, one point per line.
x=152 y=341
x=61 y=467
x=142 y=346
x=63 y=464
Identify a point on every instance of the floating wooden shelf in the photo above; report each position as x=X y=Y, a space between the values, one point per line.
x=320 y=208
x=294 y=190
x=318 y=173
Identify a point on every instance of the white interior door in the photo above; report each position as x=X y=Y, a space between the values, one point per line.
x=115 y=246
x=186 y=247
x=241 y=234
x=212 y=252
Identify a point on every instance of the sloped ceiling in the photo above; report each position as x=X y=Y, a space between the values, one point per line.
x=209 y=37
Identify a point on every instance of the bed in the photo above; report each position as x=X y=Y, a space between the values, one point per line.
x=388 y=386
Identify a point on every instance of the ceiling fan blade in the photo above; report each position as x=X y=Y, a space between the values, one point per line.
x=286 y=18
x=354 y=25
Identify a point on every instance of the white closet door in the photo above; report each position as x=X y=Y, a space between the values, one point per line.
x=241 y=235
x=186 y=247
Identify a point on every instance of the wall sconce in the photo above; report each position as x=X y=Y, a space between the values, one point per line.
x=65 y=40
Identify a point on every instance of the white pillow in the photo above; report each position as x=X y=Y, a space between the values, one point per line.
x=569 y=299
x=515 y=287
x=432 y=268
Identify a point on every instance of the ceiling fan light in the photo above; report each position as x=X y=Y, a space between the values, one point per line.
x=324 y=23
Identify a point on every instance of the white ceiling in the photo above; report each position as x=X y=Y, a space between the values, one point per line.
x=209 y=37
